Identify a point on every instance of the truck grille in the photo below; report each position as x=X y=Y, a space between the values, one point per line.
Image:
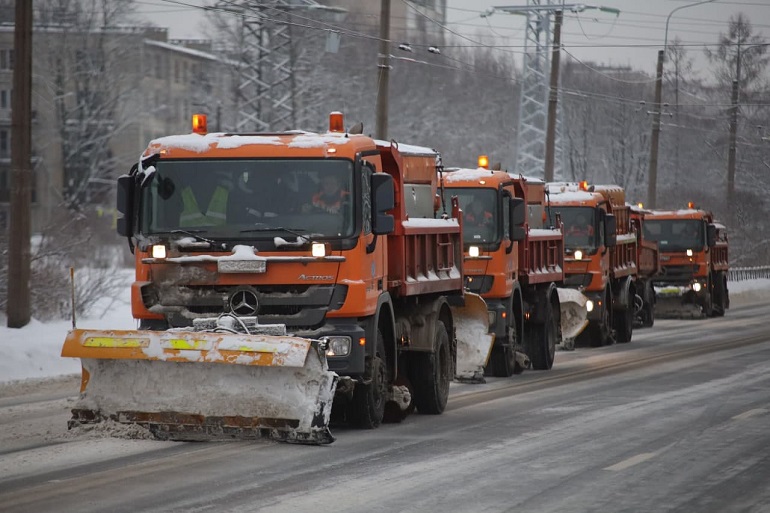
x=297 y=307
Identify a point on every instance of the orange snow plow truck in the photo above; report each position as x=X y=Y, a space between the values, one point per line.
x=516 y=265
x=278 y=275
x=694 y=263
x=601 y=257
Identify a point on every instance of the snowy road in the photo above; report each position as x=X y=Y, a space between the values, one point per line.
x=677 y=420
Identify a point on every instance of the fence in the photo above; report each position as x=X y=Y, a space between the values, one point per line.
x=748 y=273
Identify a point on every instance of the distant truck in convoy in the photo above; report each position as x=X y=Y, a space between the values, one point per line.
x=601 y=256
x=515 y=263
x=277 y=274
x=648 y=262
x=694 y=263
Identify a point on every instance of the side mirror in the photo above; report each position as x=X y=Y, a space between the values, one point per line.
x=125 y=205
x=711 y=235
x=610 y=231
x=517 y=217
x=383 y=199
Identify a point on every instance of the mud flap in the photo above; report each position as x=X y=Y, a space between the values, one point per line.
x=205 y=385
x=474 y=342
x=574 y=316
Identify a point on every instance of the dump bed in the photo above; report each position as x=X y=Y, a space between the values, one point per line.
x=424 y=253
x=648 y=253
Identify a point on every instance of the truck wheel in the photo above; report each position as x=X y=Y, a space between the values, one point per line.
x=542 y=343
x=367 y=407
x=430 y=374
x=720 y=291
x=502 y=361
x=625 y=326
x=708 y=301
x=648 y=311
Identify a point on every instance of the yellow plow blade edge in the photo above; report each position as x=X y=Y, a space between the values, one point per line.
x=474 y=342
x=205 y=385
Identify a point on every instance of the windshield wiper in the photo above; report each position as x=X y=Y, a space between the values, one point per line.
x=194 y=235
x=297 y=232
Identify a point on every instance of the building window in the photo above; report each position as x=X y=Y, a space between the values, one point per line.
x=5 y=99
x=6 y=59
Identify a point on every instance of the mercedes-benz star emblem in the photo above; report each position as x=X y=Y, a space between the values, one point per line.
x=244 y=302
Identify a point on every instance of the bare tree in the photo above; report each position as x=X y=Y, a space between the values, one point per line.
x=89 y=81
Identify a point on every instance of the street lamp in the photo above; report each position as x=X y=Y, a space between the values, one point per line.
x=652 y=176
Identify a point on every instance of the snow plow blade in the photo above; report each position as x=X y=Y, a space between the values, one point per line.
x=675 y=302
x=574 y=316
x=187 y=385
x=474 y=342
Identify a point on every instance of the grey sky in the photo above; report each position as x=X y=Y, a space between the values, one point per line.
x=631 y=38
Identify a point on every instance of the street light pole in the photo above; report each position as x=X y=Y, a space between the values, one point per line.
x=652 y=175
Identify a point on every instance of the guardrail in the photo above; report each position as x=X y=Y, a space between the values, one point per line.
x=748 y=273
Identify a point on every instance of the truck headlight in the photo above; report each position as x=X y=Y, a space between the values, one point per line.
x=337 y=345
x=473 y=251
x=689 y=252
x=318 y=249
x=578 y=255
x=696 y=286
x=589 y=306
x=159 y=251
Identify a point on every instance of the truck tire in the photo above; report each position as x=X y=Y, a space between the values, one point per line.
x=648 y=310
x=367 y=407
x=543 y=340
x=430 y=374
x=720 y=295
x=502 y=361
x=624 y=325
x=708 y=302
x=599 y=333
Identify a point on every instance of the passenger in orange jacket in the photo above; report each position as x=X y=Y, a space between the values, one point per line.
x=330 y=199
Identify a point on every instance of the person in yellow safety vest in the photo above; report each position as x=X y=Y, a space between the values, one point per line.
x=216 y=212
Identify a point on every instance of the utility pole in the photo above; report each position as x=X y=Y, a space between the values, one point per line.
x=383 y=66
x=733 y=129
x=18 y=300
x=553 y=98
x=652 y=175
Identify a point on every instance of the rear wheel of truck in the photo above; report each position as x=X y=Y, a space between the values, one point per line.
x=542 y=343
x=367 y=407
x=430 y=374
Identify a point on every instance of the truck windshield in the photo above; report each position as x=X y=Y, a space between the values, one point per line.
x=579 y=227
x=480 y=219
x=221 y=199
x=675 y=234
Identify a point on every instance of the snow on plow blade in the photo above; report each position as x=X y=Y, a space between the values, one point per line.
x=574 y=316
x=474 y=342
x=204 y=385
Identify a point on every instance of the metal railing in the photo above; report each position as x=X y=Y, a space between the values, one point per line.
x=748 y=273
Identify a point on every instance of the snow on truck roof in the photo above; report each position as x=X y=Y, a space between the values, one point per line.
x=200 y=143
x=462 y=174
x=408 y=149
